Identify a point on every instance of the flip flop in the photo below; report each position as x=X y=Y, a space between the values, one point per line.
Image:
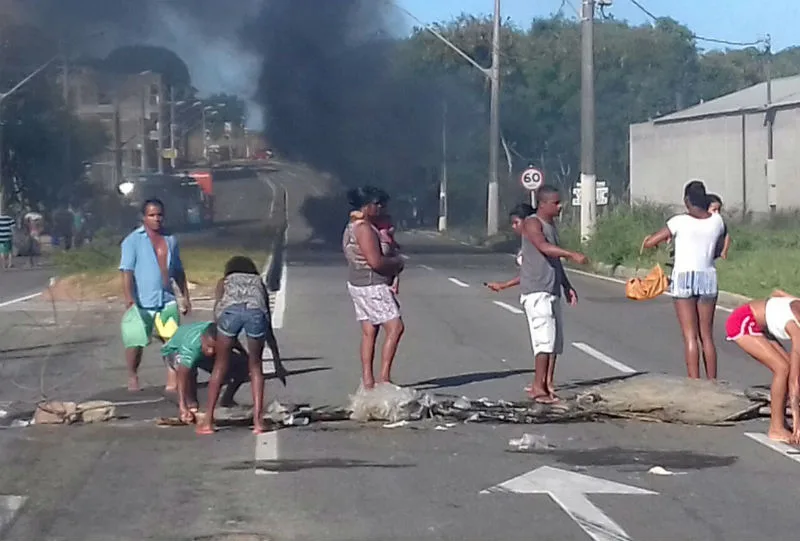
x=543 y=399
x=204 y=431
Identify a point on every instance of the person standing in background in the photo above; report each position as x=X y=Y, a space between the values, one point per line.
x=7 y=224
x=696 y=235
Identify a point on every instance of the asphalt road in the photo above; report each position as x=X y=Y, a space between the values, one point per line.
x=132 y=481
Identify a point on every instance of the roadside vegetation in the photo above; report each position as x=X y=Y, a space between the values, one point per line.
x=763 y=255
x=92 y=271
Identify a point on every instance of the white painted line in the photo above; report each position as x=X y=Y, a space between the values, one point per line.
x=602 y=357
x=406 y=257
x=19 y=299
x=426 y=267
x=266 y=450
x=463 y=243
x=458 y=282
x=792 y=453
x=272 y=197
x=9 y=508
x=506 y=306
x=623 y=282
x=280 y=299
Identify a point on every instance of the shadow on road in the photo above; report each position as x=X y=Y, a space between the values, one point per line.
x=312 y=464
x=465 y=379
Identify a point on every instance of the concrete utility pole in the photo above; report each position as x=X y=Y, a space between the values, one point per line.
x=172 y=126
x=443 y=181
x=160 y=125
x=588 y=176
x=493 y=195
x=144 y=131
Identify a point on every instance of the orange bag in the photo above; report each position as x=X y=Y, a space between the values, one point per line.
x=649 y=287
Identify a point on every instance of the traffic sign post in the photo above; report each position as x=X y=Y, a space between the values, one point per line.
x=601 y=194
x=531 y=180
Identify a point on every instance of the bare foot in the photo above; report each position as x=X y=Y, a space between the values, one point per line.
x=782 y=435
x=541 y=396
x=187 y=417
x=259 y=428
x=368 y=384
x=170 y=389
x=133 y=383
x=385 y=380
x=204 y=430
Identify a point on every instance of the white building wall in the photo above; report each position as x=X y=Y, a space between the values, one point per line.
x=664 y=157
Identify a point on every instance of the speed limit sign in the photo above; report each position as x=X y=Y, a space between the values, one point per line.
x=532 y=178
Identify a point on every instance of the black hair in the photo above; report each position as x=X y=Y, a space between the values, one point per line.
x=714 y=198
x=695 y=194
x=546 y=189
x=521 y=211
x=154 y=202
x=357 y=198
x=241 y=265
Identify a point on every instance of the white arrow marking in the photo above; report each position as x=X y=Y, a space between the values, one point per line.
x=9 y=507
x=568 y=490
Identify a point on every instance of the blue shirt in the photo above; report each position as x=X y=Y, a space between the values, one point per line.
x=139 y=257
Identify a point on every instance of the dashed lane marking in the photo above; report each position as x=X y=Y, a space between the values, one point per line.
x=426 y=267
x=602 y=357
x=506 y=306
x=458 y=282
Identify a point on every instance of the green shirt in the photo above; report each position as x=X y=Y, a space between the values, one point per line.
x=187 y=343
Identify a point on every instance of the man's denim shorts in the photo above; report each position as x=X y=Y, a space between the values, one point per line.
x=236 y=318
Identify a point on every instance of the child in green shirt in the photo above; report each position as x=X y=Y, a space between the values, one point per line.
x=193 y=346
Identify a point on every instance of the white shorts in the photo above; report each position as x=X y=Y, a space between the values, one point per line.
x=543 y=312
x=376 y=304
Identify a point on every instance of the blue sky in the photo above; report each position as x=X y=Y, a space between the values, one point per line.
x=750 y=20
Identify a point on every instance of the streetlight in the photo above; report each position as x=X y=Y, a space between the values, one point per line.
x=3 y=97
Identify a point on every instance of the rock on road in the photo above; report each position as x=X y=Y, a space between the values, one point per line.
x=132 y=480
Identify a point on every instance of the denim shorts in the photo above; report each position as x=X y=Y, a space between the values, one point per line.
x=238 y=318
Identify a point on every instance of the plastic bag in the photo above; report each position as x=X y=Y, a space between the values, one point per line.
x=384 y=402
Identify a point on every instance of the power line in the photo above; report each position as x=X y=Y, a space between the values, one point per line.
x=701 y=38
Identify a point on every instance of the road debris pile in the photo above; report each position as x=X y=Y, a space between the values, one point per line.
x=60 y=413
x=651 y=397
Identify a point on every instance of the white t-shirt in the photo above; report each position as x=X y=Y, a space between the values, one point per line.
x=695 y=241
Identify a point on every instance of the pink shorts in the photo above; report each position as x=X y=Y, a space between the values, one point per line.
x=742 y=322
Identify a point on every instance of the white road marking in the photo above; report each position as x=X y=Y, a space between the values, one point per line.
x=272 y=197
x=602 y=357
x=266 y=450
x=792 y=453
x=267 y=366
x=406 y=257
x=569 y=489
x=458 y=282
x=620 y=281
x=506 y=306
x=9 y=508
x=464 y=243
x=19 y=299
x=280 y=299
x=426 y=267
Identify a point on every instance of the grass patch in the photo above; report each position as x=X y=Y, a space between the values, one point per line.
x=763 y=256
x=94 y=269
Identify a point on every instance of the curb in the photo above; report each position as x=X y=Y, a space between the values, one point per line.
x=623 y=274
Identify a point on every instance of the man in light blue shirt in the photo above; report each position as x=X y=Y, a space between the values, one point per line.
x=149 y=263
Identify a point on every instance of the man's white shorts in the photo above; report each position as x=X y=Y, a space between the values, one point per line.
x=543 y=312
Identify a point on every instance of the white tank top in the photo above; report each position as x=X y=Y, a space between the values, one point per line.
x=778 y=313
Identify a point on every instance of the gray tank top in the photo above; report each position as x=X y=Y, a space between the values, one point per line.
x=359 y=273
x=539 y=273
x=243 y=289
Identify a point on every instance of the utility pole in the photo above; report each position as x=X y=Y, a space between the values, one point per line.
x=443 y=181
x=2 y=161
x=118 y=174
x=144 y=131
x=205 y=138
x=588 y=176
x=493 y=196
x=172 y=126
x=160 y=125
x=769 y=121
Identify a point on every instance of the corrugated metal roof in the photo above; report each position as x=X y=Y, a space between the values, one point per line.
x=785 y=91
